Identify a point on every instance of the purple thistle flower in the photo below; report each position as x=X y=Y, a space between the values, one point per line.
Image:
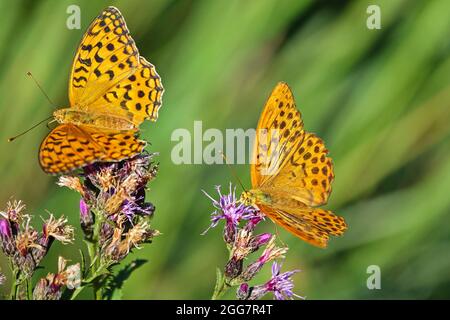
x=84 y=210
x=260 y=240
x=229 y=208
x=132 y=208
x=281 y=284
x=5 y=229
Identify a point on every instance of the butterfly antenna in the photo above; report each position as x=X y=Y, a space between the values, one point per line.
x=42 y=90
x=21 y=134
x=232 y=171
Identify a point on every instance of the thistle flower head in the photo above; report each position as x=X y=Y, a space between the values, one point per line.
x=122 y=243
x=281 y=284
x=71 y=182
x=69 y=276
x=22 y=244
x=14 y=211
x=241 y=247
x=131 y=208
x=113 y=194
x=58 y=229
x=230 y=209
x=241 y=242
x=26 y=240
x=138 y=234
x=271 y=252
x=50 y=287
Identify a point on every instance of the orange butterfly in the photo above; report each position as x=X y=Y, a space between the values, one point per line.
x=291 y=173
x=112 y=90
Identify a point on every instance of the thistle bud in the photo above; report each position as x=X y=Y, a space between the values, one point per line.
x=243 y=292
x=233 y=268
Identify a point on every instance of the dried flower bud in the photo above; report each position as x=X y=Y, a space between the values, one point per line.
x=229 y=233
x=110 y=251
x=14 y=211
x=121 y=244
x=50 y=287
x=243 y=292
x=114 y=203
x=233 y=268
x=72 y=183
x=44 y=290
x=86 y=219
x=58 y=229
x=26 y=240
x=259 y=240
x=73 y=276
x=270 y=253
x=241 y=246
x=70 y=277
x=251 y=270
x=140 y=233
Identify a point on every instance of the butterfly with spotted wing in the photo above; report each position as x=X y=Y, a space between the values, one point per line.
x=291 y=173
x=112 y=90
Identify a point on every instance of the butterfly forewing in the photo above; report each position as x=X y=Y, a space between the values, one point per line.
x=136 y=98
x=280 y=129
x=106 y=55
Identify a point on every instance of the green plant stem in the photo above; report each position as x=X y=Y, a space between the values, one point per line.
x=96 y=269
x=98 y=292
x=29 y=288
x=14 y=286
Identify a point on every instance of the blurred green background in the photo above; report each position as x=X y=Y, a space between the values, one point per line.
x=379 y=98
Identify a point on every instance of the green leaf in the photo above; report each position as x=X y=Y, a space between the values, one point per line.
x=219 y=284
x=82 y=263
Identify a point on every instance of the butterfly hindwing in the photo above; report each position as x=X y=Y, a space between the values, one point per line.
x=313 y=225
x=68 y=147
x=309 y=174
x=116 y=145
x=65 y=148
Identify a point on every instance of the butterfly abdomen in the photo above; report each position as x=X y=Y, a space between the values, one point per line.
x=101 y=121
